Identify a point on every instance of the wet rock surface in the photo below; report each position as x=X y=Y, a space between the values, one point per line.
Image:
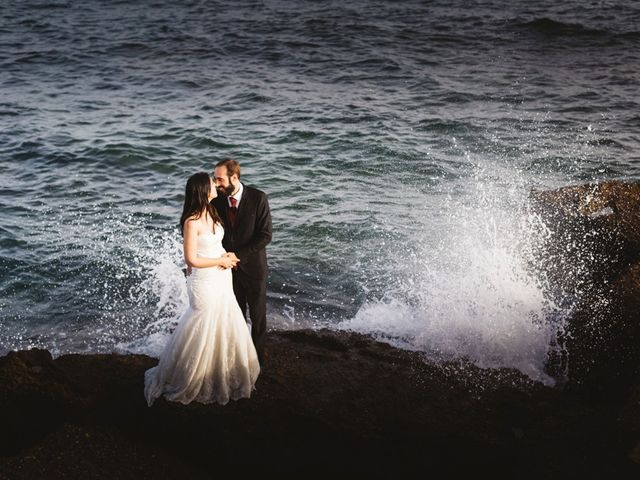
x=328 y=403
x=591 y=255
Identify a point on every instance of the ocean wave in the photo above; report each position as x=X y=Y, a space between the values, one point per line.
x=241 y=99
x=605 y=142
x=448 y=126
x=49 y=6
x=551 y=27
x=197 y=141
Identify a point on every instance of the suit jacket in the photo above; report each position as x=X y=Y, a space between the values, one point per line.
x=252 y=232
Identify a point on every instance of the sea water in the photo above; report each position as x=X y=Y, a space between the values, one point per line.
x=397 y=142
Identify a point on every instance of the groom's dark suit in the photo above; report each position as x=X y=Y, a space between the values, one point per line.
x=248 y=238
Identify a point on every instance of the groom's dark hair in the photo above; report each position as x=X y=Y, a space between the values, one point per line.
x=233 y=166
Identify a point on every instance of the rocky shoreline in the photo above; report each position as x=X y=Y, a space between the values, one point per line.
x=329 y=403
x=340 y=403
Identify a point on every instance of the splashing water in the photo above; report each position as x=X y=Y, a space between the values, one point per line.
x=474 y=292
x=116 y=282
x=165 y=283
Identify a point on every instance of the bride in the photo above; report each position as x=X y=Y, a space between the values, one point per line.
x=210 y=356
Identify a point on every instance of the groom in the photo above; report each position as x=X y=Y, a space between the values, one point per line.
x=247 y=231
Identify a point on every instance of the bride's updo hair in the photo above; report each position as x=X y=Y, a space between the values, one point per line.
x=196 y=199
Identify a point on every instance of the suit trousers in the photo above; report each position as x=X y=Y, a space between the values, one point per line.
x=251 y=294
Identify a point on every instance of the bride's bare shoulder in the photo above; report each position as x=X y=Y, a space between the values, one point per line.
x=192 y=223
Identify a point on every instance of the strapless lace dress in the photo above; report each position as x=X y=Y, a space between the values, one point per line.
x=210 y=356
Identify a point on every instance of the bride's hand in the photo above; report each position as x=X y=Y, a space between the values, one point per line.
x=231 y=255
x=228 y=262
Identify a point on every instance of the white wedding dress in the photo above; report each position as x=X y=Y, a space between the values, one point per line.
x=210 y=356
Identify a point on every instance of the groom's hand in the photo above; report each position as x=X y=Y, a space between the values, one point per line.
x=233 y=257
x=228 y=261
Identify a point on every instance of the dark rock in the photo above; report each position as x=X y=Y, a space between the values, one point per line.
x=591 y=258
x=634 y=455
x=629 y=418
x=36 y=395
x=330 y=403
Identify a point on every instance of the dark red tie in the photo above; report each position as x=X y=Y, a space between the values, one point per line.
x=233 y=210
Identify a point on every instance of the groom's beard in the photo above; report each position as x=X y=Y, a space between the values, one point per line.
x=228 y=190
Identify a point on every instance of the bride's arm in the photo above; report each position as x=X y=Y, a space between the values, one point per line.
x=190 y=246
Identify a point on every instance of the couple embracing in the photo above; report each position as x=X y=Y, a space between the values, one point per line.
x=211 y=355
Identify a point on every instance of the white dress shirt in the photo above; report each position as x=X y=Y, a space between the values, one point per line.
x=237 y=196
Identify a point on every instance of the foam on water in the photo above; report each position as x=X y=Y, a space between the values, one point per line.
x=166 y=283
x=474 y=292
